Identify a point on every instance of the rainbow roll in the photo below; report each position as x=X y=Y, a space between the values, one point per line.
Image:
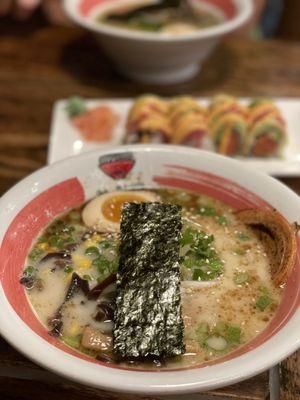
x=227 y=125
x=266 y=135
x=188 y=121
x=147 y=111
x=153 y=128
x=262 y=108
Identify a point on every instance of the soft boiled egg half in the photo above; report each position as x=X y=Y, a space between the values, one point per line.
x=103 y=213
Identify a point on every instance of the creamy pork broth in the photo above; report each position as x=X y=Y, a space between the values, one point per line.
x=173 y=20
x=227 y=297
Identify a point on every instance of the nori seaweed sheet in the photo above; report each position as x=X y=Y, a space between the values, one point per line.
x=148 y=320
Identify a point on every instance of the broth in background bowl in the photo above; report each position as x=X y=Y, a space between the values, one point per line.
x=173 y=18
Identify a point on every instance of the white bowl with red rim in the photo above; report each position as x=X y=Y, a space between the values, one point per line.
x=29 y=206
x=154 y=57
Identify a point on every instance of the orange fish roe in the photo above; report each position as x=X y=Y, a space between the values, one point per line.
x=96 y=125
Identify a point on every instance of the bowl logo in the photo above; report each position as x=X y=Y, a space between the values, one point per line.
x=116 y=166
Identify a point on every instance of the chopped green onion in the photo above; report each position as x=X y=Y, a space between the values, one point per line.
x=72 y=341
x=104 y=244
x=201 y=257
x=233 y=334
x=221 y=328
x=93 y=250
x=240 y=278
x=188 y=236
x=221 y=220
x=68 y=269
x=240 y=252
x=87 y=277
x=149 y=26
x=42 y=239
x=207 y=211
x=216 y=265
x=263 y=302
x=101 y=263
x=30 y=270
x=35 y=254
x=202 y=328
x=242 y=236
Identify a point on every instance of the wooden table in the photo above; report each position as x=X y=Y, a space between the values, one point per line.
x=38 y=67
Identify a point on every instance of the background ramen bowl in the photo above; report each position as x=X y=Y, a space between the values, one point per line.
x=151 y=57
x=30 y=205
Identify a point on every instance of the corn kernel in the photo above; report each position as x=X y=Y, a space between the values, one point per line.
x=43 y=246
x=81 y=261
x=89 y=243
x=73 y=328
x=96 y=237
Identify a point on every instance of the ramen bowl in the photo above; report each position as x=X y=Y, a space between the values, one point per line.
x=156 y=58
x=33 y=203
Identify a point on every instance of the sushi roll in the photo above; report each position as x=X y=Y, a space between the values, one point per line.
x=227 y=125
x=151 y=129
x=147 y=121
x=266 y=135
x=188 y=122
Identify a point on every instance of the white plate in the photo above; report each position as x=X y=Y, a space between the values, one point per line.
x=66 y=141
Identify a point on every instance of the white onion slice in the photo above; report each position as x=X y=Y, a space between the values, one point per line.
x=216 y=343
x=198 y=284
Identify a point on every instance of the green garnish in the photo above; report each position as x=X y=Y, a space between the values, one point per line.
x=221 y=328
x=35 y=254
x=104 y=244
x=240 y=252
x=207 y=211
x=59 y=241
x=30 y=270
x=240 y=278
x=202 y=257
x=148 y=26
x=87 y=277
x=101 y=263
x=222 y=220
x=263 y=302
x=242 y=236
x=68 y=269
x=218 y=337
x=202 y=328
x=60 y=234
x=72 y=341
x=93 y=250
x=233 y=334
x=42 y=239
x=187 y=237
x=75 y=106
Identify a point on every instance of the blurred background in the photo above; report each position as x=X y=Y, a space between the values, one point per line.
x=272 y=18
